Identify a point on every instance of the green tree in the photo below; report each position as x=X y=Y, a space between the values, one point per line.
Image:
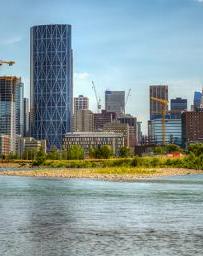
x=196 y=149
x=172 y=148
x=40 y=157
x=124 y=152
x=75 y=152
x=53 y=154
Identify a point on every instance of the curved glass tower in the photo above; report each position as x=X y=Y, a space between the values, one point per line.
x=51 y=83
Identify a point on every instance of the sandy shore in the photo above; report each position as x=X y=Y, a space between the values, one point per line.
x=111 y=174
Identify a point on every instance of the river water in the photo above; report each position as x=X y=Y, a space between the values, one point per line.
x=40 y=216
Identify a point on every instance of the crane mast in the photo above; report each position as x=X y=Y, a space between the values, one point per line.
x=98 y=100
x=164 y=103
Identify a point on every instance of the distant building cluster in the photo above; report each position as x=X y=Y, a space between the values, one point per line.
x=52 y=117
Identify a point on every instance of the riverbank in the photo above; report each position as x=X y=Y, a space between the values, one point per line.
x=111 y=174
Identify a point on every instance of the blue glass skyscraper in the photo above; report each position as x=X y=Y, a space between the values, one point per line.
x=51 y=83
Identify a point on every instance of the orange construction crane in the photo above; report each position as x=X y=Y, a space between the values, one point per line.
x=10 y=62
x=164 y=103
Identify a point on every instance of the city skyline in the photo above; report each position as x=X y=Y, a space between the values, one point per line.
x=116 y=53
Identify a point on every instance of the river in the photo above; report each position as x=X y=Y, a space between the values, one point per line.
x=40 y=216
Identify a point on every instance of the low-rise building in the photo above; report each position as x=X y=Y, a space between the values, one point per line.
x=4 y=145
x=29 y=144
x=89 y=140
x=173 y=131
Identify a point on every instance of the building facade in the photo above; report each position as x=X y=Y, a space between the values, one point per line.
x=19 y=108
x=4 y=145
x=132 y=123
x=115 y=101
x=160 y=92
x=197 y=100
x=26 y=116
x=81 y=103
x=89 y=140
x=102 y=118
x=51 y=94
x=29 y=144
x=119 y=128
x=192 y=127
x=173 y=131
x=8 y=108
x=83 y=121
x=178 y=105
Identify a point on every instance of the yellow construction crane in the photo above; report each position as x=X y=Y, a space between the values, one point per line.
x=10 y=62
x=164 y=103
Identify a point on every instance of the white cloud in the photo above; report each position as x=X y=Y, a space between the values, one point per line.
x=199 y=1
x=81 y=76
x=11 y=40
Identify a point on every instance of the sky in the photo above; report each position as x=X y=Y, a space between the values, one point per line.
x=118 y=44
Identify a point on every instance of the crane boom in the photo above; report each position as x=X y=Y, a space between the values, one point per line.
x=98 y=100
x=10 y=62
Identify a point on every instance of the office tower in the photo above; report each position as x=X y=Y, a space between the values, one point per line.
x=160 y=92
x=51 y=103
x=115 y=101
x=192 y=127
x=197 y=100
x=173 y=131
x=81 y=103
x=83 y=121
x=26 y=115
x=19 y=108
x=178 y=105
x=8 y=108
x=102 y=118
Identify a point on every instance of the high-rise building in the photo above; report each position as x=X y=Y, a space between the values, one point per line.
x=178 y=105
x=102 y=118
x=160 y=92
x=51 y=94
x=26 y=115
x=8 y=108
x=192 y=127
x=115 y=101
x=83 y=121
x=197 y=100
x=81 y=103
x=19 y=108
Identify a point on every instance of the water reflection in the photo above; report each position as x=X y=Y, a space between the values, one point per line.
x=81 y=217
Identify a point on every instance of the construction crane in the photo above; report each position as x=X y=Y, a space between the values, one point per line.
x=164 y=103
x=127 y=97
x=98 y=100
x=10 y=62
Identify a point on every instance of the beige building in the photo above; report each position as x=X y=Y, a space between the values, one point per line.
x=83 y=121
x=89 y=140
x=29 y=144
x=81 y=103
x=117 y=127
x=4 y=145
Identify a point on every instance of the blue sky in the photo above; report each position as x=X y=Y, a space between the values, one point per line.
x=120 y=44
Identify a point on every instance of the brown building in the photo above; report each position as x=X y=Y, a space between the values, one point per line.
x=102 y=118
x=132 y=122
x=4 y=145
x=192 y=127
x=160 y=92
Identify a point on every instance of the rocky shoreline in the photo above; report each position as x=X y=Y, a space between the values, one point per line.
x=110 y=174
